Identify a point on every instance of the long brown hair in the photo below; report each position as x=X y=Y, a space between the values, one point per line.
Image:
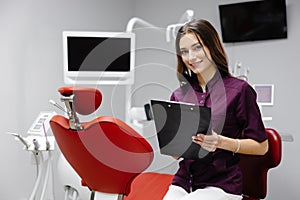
x=210 y=38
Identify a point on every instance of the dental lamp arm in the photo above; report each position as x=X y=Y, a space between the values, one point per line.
x=135 y=20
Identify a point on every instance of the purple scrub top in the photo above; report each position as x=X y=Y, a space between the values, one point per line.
x=234 y=111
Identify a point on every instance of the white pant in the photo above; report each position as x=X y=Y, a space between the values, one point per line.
x=208 y=193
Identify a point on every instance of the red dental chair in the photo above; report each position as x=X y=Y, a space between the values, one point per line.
x=105 y=152
x=153 y=186
x=255 y=168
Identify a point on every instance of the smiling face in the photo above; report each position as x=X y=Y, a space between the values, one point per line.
x=196 y=57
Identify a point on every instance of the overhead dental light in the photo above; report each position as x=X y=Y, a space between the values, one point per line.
x=170 y=30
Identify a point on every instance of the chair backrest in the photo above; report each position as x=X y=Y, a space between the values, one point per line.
x=106 y=153
x=255 y=168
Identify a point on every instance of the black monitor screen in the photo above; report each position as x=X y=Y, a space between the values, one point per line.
x=98 y=54
x=255 y=20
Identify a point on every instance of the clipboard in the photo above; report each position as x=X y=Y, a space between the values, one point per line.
x=176 y=123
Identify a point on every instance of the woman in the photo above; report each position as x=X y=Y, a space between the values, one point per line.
x=205 y=80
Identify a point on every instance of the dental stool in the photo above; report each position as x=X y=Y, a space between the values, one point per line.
x=105 y=152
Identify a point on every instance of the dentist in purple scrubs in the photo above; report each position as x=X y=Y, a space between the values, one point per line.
x=237 y=127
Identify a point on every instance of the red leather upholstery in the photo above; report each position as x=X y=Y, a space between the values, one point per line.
x=149 y=186
x=86 y=100
x=153 y=186
x=107 y=154
x=255 y=168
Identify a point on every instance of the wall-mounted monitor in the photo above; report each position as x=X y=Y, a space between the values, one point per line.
x=98 y=57
x=265 y=94
x=253 y=20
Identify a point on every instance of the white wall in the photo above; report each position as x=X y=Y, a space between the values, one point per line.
x=31 y=69
x=31 y=65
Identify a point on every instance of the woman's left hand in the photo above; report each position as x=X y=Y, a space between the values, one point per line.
x=208 y=142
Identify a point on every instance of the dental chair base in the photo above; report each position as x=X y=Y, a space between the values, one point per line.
x=106 y=196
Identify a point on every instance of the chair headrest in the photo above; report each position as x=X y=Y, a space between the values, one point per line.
x=86 y=100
